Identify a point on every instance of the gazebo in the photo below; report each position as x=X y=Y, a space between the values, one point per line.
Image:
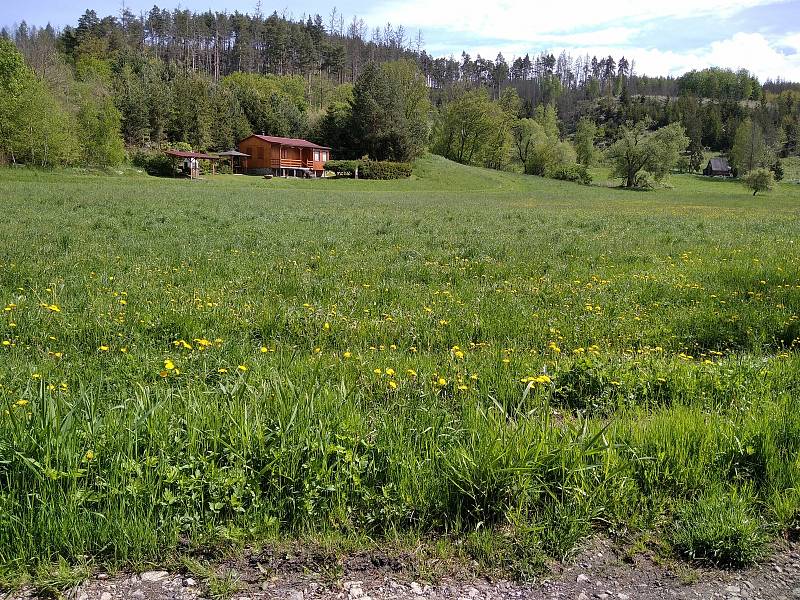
x=237 y=159
x=190 y=160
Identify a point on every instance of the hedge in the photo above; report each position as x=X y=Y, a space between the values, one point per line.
x=572 y=172
x=153 y=163
x=369 y=169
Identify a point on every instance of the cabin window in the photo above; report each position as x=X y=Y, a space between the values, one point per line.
x=316 y=155
x=324 y=156
x=261 y=152
x=283 y=152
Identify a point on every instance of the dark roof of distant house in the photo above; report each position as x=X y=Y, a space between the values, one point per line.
x=289 y=142
x=182 y=154
x=720 y=164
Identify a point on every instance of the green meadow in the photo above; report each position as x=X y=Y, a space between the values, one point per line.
x=500 y=364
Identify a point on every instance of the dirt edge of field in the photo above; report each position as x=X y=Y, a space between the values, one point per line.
x=599 y=571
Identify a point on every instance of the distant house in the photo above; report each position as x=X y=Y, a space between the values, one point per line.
x=284 y=156
x=718 y=167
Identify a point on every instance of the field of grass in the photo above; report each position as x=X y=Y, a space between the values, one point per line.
x=505 y=361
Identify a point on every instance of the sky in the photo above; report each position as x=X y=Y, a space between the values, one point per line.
x=662 y=38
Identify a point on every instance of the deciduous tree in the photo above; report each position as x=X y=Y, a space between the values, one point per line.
x=638 y=149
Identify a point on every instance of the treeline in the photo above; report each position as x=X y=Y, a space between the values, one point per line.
x=330 y=49
x=82 y=94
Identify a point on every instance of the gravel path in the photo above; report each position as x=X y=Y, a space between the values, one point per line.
x=597 y=573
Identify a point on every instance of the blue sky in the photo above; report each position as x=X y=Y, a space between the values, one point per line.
x=661 y=37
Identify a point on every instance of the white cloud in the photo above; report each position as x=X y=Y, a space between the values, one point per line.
x=752 y=51
x=527 y=20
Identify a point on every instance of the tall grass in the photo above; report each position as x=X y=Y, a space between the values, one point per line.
x=510 y=361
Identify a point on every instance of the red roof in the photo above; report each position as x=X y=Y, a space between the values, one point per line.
x=289 y=142
x=182 y=154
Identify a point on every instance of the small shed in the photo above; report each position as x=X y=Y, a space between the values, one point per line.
x=237 y=159
x=718 y=167
x=190 y=160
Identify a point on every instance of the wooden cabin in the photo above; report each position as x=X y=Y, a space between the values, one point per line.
x=284 y=156
x=718 y=167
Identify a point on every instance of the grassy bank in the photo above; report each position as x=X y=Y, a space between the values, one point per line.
x=506 y=360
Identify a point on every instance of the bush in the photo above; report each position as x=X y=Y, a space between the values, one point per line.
x=342 y=168
x=759 y=180
x=720 y=528
x=369 y=169
x=157 y=164
x=572 y=172
x=644 y=180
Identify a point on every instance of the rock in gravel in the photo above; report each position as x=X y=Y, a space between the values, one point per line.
x=732 y=589
x=137 y=594
x=583 y=596
x=153 y=575
x=105 y=596
x=417 y=588
x=622 y=596
x=189 y=582
x=296 y=595
x=582 y=578
x=796 y=592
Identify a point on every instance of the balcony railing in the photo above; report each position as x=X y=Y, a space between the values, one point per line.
x=293 y=163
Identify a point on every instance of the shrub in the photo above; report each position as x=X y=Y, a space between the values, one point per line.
x=369 y=169
x=719 y=527
x=572 y=172
x=342 y=168
x=644 y=180
x=759 y=180
x=157 y=164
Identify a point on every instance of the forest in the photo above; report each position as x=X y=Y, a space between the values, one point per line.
x=99 y=92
